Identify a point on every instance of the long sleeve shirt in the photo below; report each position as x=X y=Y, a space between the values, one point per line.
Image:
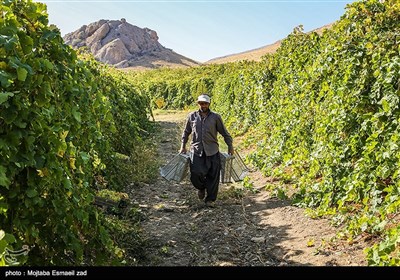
x=204 y=138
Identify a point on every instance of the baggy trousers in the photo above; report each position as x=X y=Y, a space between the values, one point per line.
x=204 y=174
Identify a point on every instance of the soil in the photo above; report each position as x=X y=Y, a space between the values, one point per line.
x=245 y=228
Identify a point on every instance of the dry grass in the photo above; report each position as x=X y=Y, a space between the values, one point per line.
x=257 y=54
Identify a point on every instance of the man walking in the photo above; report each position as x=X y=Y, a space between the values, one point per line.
x=205 y=162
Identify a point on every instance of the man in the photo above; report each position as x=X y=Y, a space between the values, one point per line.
x=205 y=162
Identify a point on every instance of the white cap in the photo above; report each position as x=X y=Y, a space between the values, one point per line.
x=203 y=98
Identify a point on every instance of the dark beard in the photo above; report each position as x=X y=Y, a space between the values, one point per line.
x=204 y=111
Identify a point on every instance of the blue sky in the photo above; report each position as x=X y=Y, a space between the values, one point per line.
x=203 y=30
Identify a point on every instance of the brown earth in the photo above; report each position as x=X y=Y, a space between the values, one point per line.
x=258 y=53
x=246 y=228
x=251 y=55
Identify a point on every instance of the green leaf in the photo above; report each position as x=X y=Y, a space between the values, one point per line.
x=40 y=161
x=84 y=156
x=42 y=97
x=3 y=207
x=26 y=43
x=4 y=96
x=11 y=43
x=67 y=183
x=22 y=73
x=20 y=123
x=10 y=238
x=5 y=79
x=48 y=64
x=48 y=35
x=77 y=115
x=4 y=181
x=29 y=141
x=10 y=115
x=31 y=193
x=3 y=246
x=385 y=105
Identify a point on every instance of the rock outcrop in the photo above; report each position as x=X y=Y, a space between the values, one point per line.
x=118 y=43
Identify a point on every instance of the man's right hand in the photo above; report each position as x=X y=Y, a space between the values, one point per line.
x=183 y=151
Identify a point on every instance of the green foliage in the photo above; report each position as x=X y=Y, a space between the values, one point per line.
x=62 y=120
x=127 y=234
x=332 y=119
x=248 y=185
x=113 y=195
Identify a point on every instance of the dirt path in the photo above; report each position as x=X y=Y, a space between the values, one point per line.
x=245 y=229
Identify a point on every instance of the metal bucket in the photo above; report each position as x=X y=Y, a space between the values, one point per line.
x=176 y=169
x=232 y=168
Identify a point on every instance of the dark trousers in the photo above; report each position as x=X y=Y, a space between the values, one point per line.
x=204 y=174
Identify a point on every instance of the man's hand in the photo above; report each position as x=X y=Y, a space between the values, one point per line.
x=183 y=150
x=231 y=151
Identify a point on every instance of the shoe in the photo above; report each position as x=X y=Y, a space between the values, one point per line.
x=210 y=204
x=201 y=194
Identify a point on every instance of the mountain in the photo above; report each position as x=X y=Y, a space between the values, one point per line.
x=256 y=54
x=119 y=43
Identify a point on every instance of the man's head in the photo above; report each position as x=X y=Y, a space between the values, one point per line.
x=204 y=102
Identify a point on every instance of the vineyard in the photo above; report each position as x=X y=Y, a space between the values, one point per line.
x=321 y=115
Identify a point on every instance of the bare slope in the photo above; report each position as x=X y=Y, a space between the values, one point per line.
x=256 y=54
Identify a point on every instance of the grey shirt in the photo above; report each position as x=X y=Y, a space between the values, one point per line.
x=204 y=131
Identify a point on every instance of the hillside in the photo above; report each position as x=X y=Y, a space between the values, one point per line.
x=256 y=54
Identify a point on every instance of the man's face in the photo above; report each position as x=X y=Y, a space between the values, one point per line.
x=204 y=106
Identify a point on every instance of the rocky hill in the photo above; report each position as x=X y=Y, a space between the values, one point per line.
x=119 y=43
